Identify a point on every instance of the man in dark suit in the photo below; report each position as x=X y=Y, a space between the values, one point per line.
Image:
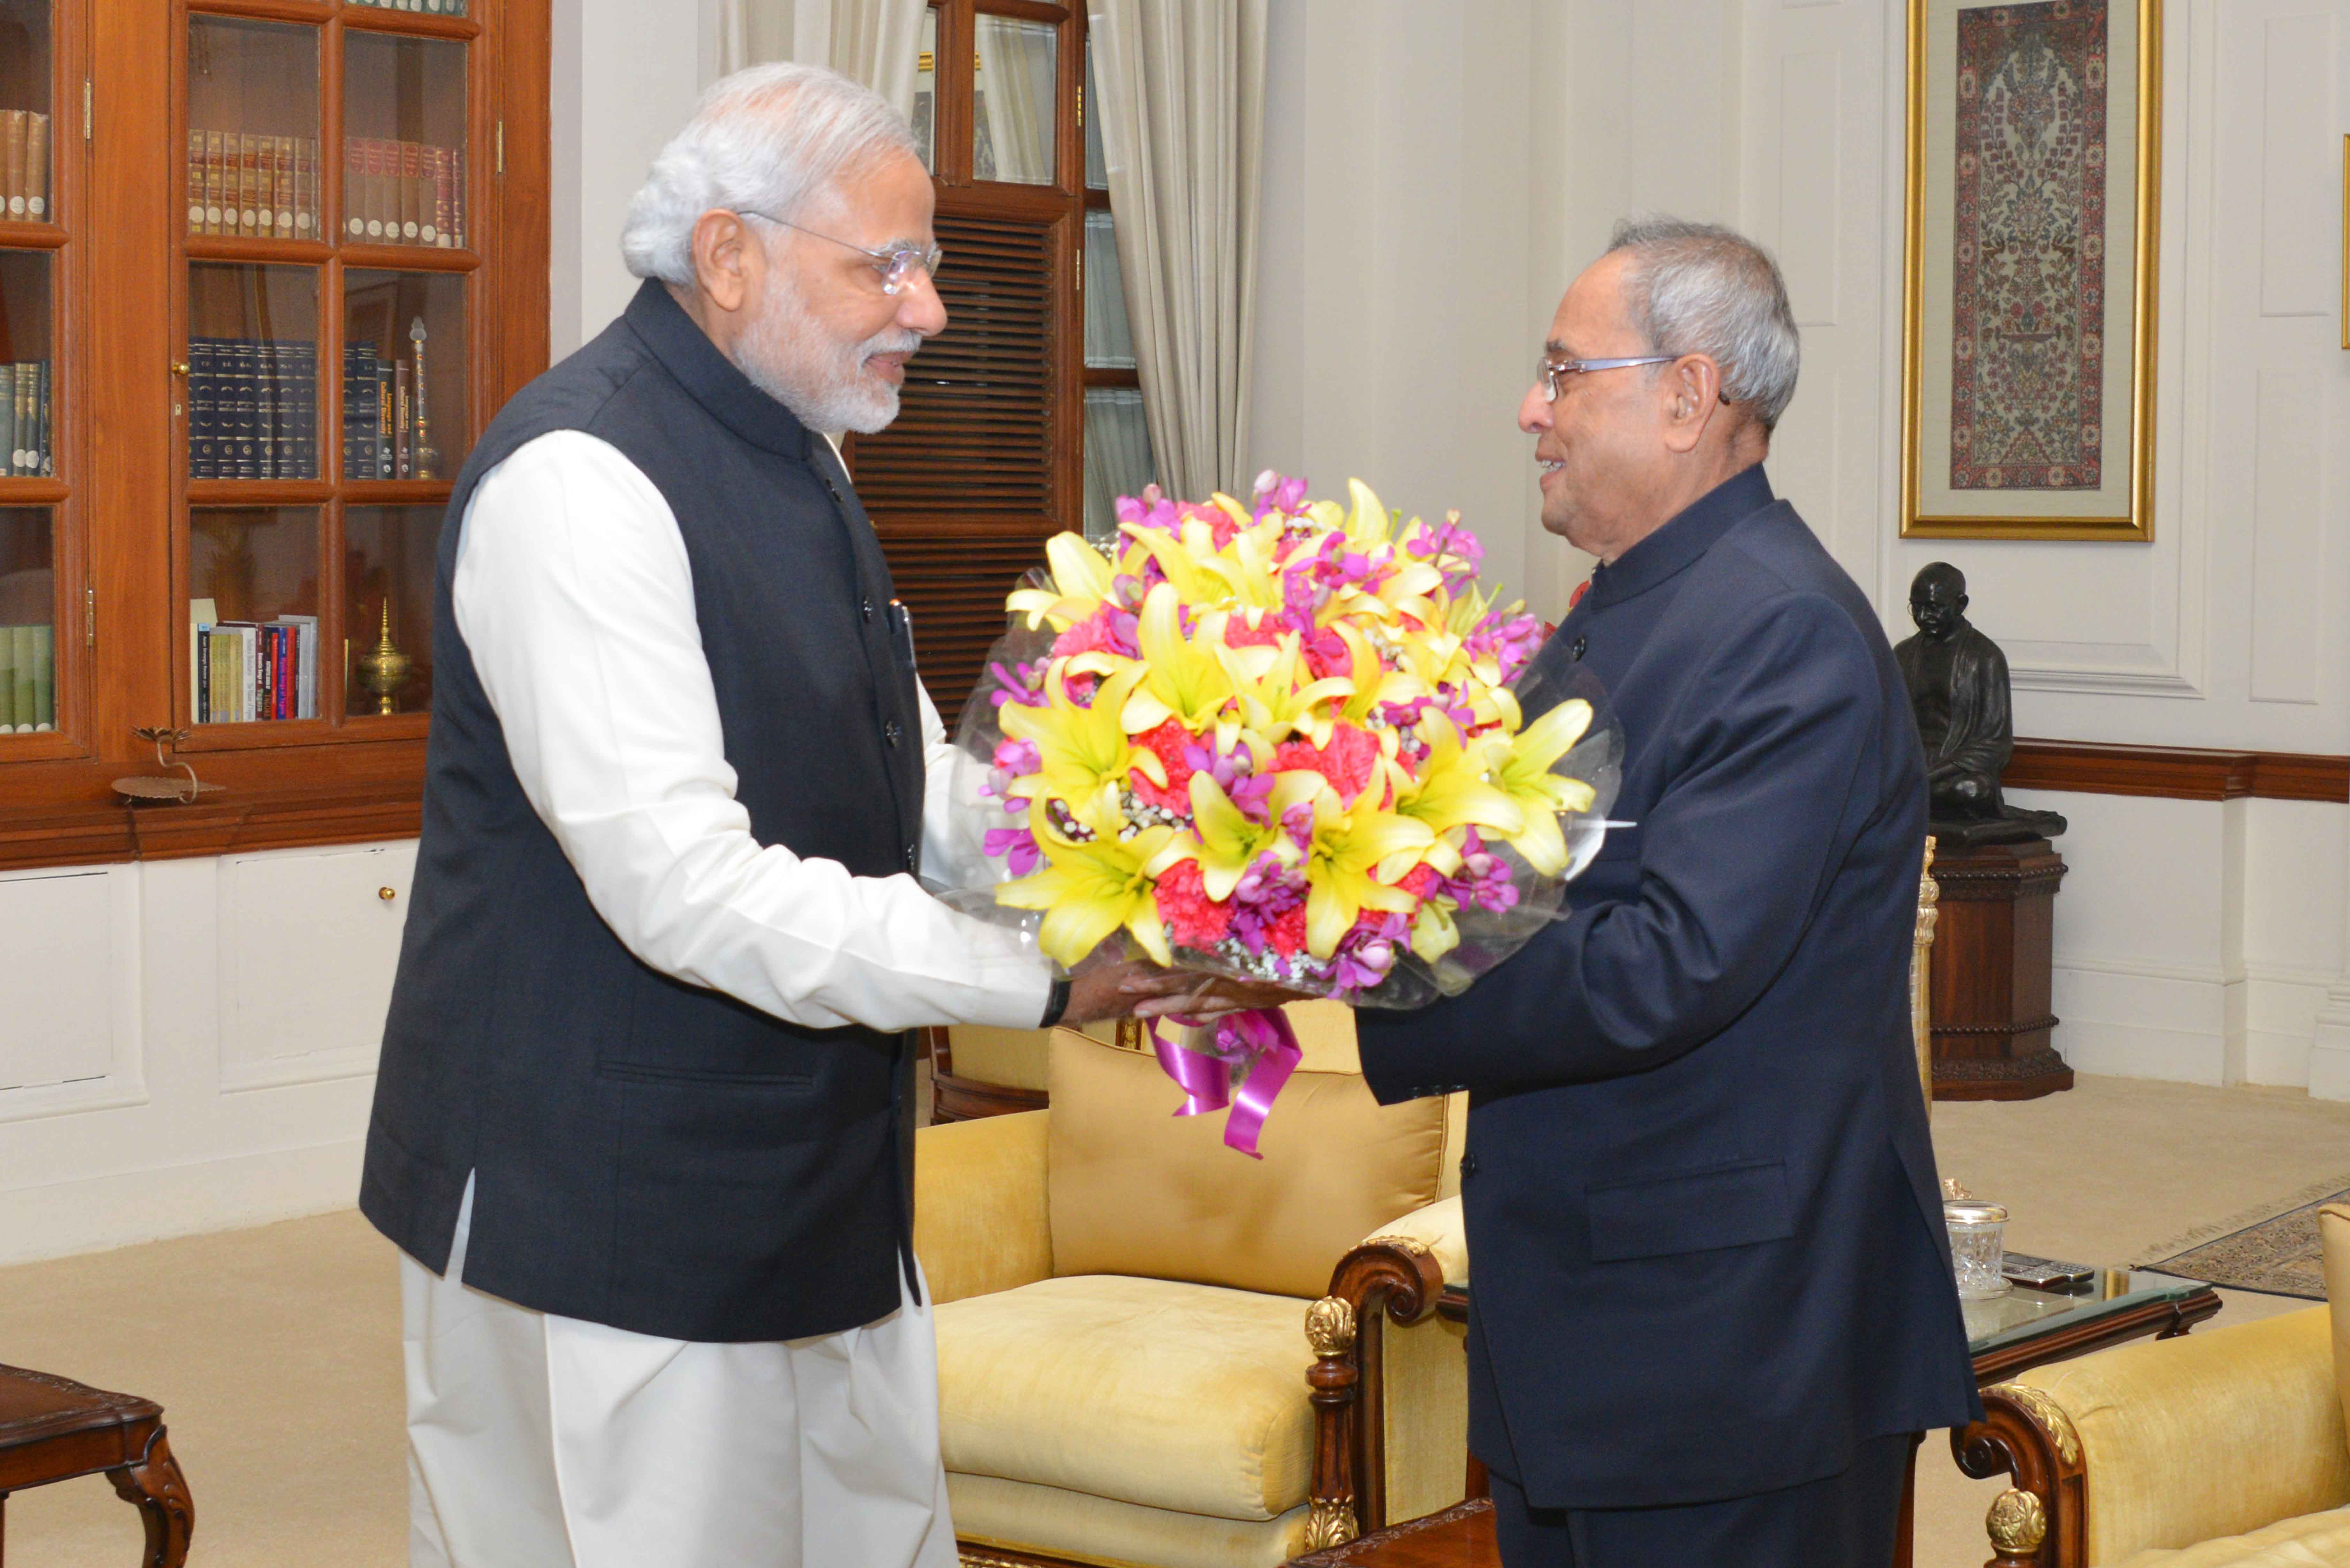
x=1712 y=1303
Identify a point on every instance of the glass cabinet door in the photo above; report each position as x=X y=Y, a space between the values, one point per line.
x=253 y=129
x=34 y=499
x=403 y=141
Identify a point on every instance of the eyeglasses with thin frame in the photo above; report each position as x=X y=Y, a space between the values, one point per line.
x=1552 y=373
x=897 y=265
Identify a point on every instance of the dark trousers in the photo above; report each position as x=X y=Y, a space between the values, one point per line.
x=1845 y=1521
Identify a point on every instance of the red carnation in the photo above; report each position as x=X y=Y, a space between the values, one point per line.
x=1167 y=741
x=1346 y=762
x=1193 y=919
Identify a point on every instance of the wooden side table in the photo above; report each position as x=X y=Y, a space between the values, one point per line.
x=53 y=1429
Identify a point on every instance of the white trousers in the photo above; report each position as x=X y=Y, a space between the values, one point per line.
x=537 y=1441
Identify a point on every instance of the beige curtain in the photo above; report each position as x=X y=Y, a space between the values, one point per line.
x=875 y=42
x=1181 y=84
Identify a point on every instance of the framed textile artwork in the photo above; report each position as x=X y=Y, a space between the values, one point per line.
x=2030 y=290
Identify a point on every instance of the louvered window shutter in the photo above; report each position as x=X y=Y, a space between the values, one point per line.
x=962 y=486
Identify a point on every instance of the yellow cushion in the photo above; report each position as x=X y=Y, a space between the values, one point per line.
x=1135 y=1189
x=2334 y=1235
x=1020 y=1515
x=989 y=1056
x=2221 y=1432
x=979 y=1205
x=1143 y=1391
x=2309 y=1540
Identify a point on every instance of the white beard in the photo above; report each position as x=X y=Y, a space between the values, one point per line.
x=824 y=384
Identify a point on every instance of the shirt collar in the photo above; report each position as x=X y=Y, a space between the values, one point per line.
x=677 y=341
x=1679 y=542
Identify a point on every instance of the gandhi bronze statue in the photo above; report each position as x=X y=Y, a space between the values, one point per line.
x=1959 y=690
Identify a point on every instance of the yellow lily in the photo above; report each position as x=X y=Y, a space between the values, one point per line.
x=1521 y=770
x=1229 y=839
x=1433 y=934
x=1181 y=678
x=1184 y=560
x=1374 y=683
x=1090 y=888
x=1451 y=791
x=1081 y=581
x=1082 y=749
x=1245 y=565
x=1348 y=848
x=1271 y=703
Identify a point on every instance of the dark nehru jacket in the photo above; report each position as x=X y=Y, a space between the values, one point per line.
x=1702 y=1206
x=649 y=1153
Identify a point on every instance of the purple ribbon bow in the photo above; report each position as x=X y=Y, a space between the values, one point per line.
x=1256 y=1051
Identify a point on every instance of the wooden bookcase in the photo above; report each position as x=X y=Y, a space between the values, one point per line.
x=162 y=313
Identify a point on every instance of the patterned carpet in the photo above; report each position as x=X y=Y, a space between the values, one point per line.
x=2273 y=1249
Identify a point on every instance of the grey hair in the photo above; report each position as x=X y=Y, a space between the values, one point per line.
x=1700 y=288
x=768 y=139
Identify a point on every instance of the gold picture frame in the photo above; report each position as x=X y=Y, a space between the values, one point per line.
x=1960 y=498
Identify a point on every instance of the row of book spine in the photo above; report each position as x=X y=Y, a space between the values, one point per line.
x=378 y=415
x=436 y=8
x=252 y=409
x=24 y=166
x=240 y=183
x=25 y=425
x=28 y=683
x=403 y=192
x=246 y=671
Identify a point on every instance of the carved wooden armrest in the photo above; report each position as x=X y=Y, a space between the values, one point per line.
x=2040 y=1521
x=1398 y=1275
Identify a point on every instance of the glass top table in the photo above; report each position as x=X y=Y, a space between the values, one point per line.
x=2027 y=1327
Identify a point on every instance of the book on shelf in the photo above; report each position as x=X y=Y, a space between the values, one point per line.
x=431 y=7
x=380 y=411
x=26 y=425
x=29 y=685
x=403 y=192
x=24 y=166
x=253 y=184
x=252 y=407
x=243 y=672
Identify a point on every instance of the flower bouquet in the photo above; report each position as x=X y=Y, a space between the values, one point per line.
x=1287 y=742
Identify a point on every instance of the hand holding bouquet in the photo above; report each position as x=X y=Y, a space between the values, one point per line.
x=1288 y=743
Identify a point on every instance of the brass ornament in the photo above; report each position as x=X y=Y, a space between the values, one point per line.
x=1330 y=1522
x=1330 y=1327
x=2047 y=1415
x=2017 y=1524
x=385 y=671
x=147 y=787
x=1411 y=1246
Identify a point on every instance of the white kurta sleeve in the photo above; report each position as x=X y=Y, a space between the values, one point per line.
x=574 y=596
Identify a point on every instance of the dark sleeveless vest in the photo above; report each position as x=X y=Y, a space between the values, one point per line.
x=649 y=1153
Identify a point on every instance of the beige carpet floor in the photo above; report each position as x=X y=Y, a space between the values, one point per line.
x=276 y=1352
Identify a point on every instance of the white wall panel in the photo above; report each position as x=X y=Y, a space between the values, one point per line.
x=2288 y=541
x=2299 y=148
x=1810 y=156
x=56 y=973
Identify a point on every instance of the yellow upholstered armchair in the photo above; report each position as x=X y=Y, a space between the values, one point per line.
x=1154 y=1350
x=2225 y=1449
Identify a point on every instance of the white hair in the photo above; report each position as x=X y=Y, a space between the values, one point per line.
x=1700 y=288
x=768 y=139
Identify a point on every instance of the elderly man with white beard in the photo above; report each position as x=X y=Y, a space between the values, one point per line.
x=643 y=1127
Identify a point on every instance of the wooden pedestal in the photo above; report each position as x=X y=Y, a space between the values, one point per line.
x=1990 y=972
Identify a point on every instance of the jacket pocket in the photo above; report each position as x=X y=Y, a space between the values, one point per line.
x=1691 y=1211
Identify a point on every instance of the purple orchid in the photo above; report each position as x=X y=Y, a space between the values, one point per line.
x=1022 y=688
x=1018 y=843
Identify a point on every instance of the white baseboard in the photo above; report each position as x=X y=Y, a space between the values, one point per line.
x=99 y=1213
